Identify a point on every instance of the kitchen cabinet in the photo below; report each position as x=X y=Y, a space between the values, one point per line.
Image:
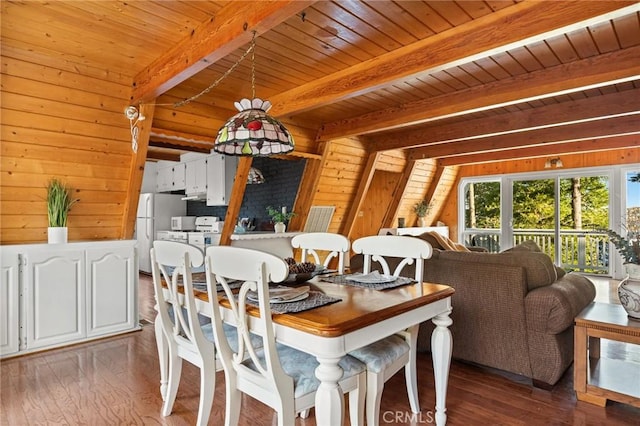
x=221 y=172
x=54 y=290
x=164 y=181
x=9 y=304
x=67 y=293
x=196 y=176
x=171 y=176
x=111 y=290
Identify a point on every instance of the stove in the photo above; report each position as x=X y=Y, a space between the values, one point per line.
x=209 y=224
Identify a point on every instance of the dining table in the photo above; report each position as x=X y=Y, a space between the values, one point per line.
x=360 y=317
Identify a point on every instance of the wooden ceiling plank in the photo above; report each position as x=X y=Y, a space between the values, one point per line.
x=607 y=106
x=210 y=41
x=617 y=126
x=360 y=194
x=575 y=147
x=521 y=24
x=585 y=74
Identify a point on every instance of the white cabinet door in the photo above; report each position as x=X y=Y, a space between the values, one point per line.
x=111 y=290
x=9 y=304
x=221 y=171
x=179 y=177
x=55 y=298
x=196 y=176
x=164 y=182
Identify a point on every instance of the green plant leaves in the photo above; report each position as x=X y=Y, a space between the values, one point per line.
x=59 y=203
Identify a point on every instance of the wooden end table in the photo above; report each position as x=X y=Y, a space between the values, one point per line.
x=597 y=379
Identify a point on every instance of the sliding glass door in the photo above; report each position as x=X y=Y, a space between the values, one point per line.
x=564 y=212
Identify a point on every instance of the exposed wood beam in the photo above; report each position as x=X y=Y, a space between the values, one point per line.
x=308 y=188
x=230 y=29
x=184 y=146
x=584 y=74
x=162 y=155
x=136 y=170
x=237 y=194
x=511 y=27
x=618 y=126
x=577 y=147
x=398 y=193
x=361 y=193
x=600 y=107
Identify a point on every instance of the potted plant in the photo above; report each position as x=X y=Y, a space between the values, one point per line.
x=279 y=217
x=59 y=203
x=421 y=209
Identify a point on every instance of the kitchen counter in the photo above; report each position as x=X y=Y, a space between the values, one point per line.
x=276 y=243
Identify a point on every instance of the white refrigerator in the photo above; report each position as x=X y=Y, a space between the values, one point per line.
x=154 y=214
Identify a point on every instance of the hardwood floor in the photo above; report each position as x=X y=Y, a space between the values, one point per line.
x=116 y=381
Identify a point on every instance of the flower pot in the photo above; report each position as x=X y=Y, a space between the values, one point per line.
x=57 y=235
x=279 y=227
x=629 y=295
x=421 y=223
x=633 y=270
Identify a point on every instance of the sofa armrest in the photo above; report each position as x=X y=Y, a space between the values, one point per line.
x=552 y=309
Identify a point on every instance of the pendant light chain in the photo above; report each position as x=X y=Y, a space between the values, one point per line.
x=223 y=76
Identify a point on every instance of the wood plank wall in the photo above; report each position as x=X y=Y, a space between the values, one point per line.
x=61 y=118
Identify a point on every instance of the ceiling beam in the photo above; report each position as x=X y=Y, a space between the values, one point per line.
x=618 y=126
x=230 y=29
x=576 y=147
x=599 y=107
x=584 y=74
x=515 y=26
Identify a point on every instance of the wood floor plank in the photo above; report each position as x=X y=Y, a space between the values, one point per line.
x=116 y=381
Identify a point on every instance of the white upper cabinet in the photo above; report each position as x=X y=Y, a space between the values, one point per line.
x=196 y=176
x=221 y=171
x=179 y=176
x=171 y=176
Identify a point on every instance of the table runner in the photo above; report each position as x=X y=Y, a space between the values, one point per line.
x=342 y=279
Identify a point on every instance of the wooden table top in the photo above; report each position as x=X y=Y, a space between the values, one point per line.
x=358 y=308
x=607 y=315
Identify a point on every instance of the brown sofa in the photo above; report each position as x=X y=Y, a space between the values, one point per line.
x=513 y=311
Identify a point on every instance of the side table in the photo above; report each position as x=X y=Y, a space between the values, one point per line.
x=597 y=379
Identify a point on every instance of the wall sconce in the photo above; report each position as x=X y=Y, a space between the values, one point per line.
x=553 y=162
x=134 y=117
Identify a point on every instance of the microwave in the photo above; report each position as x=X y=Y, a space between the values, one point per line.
x=183 y=223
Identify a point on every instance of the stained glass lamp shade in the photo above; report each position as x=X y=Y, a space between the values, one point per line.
x=252 y=132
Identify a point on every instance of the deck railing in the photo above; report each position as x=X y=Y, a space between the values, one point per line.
x=580 y=250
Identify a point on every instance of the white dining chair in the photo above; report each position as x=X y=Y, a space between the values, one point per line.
x=277 y=375
x=179 y=325
x=329 y=245
x=387 y=356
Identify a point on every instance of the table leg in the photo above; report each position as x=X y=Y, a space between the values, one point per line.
x=163 y=356
x=580 y=361
x=441 y=348
x=329 y=399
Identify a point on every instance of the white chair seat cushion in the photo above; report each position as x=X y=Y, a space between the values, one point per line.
x=378 y=355
x=301 y=367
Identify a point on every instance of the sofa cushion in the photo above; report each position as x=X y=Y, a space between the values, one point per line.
x=530 y=245
x=539 y=269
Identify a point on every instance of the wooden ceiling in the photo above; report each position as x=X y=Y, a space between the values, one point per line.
x=460 y=81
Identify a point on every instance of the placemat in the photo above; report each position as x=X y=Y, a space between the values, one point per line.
x=315 y=300
x=342 y=279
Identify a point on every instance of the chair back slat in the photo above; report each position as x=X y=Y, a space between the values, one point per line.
x=310 y=243
x=172 y=262
x=224 y=264
x=410 y=250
